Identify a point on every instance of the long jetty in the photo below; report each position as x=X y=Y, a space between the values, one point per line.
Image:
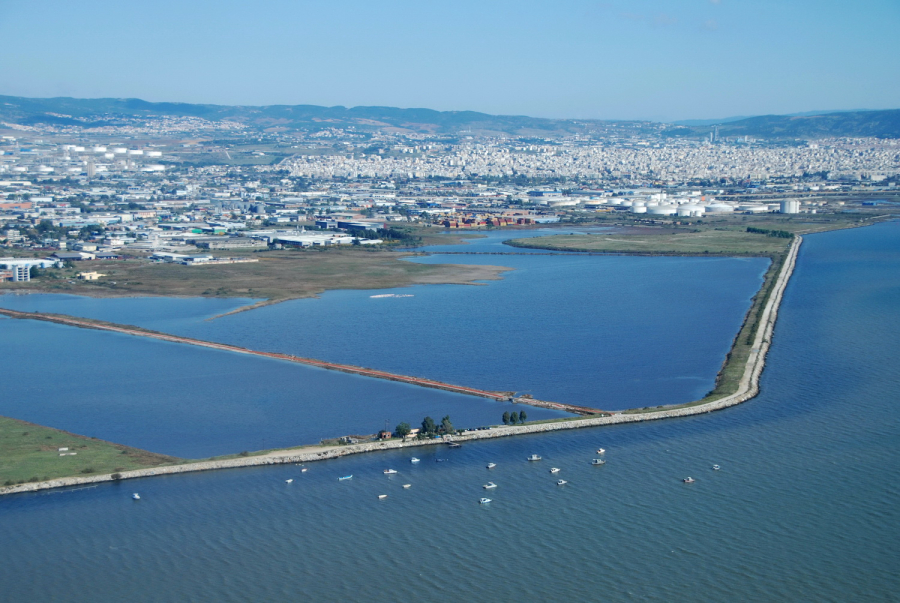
x=334 y=366
x=748 y=387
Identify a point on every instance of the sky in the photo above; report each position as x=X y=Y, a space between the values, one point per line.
x=660 y=60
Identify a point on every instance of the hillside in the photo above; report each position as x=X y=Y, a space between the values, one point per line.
x=879 y=124
x=63 y=111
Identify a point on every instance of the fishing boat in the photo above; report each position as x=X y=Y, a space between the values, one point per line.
x=346 y=477
x=489 y=486
x=287 y=481
x=689 y=480
x=554 y=470
x=534 y=457
x=390 y=471
x=598 y=462
x=716 y=467
x=414 y=460
x=491 y=465
x=136 y=496
x=561 y=482
x=485 y=501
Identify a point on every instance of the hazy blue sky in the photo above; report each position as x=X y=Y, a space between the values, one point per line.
x=649 y=59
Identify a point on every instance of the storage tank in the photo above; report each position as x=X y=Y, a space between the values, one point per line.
x=135 y=152
x=120 y=150
x=99 y=149
x=638 y=209
x=719 y=208
x=662 y=210
x=690 y=210
x=754 y=207
x=154 y=153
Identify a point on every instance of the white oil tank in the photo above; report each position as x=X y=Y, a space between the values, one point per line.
x=639 y=209
x=662 y=210
x=719 y=208
x=690 y=211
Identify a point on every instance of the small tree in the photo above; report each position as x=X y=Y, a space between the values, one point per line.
x=428 y=425
x=403 y=430
x=506 y=418
x=522 y=416
x=446 y=425
x=513 y=418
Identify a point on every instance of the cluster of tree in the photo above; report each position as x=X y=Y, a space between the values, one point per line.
x=512 y=418
x=388 y=234
x=781 y=234
x=429 y=427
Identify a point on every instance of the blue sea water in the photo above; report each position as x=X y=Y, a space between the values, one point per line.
x=805 y=508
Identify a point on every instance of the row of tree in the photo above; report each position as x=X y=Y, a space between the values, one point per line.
x=512 y=418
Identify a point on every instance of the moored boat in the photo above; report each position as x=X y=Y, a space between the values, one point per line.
x=485 y=501
x=345 y=478
x=382 y=496
x=489 y=485
x=287 y=481
x=689 y=480
x=414 y=460
x=390 y=471
x=598 y=462
x=136 y=496
x=407 y=485
x=554 y=470
x=534 y=457
x=716 y=467
x=491 y=465
x=561 y=482
x=601 y=450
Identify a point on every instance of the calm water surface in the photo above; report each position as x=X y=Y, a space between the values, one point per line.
x=805 y=508
x=609 y=332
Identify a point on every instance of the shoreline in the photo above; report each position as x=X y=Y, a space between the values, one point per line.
x=748 y=388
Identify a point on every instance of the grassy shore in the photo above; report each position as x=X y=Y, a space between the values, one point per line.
x=278 y=275
x=30 y=453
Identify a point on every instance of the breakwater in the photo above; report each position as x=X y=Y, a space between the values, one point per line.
x=748 y=387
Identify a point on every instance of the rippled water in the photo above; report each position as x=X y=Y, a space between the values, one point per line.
x=805 y=507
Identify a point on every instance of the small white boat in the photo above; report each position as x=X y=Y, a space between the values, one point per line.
x=534 y=457
x=414 y=460
x=485 y=501
x=689 y=480
x=390 y=471
x=598 y=462
x=491 y=465
x=407 y=485
x=561 y=482
x=346 y=477
x=454 y=445
x=601 y=450
x=554 y=470
x=382 y=496
x=716 y=467
x=287 y=481
x=489 y=485
x=304 y=470
x=136 y=496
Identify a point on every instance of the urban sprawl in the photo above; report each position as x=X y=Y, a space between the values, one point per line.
x=182 y=190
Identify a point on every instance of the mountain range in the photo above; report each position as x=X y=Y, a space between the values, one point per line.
x=63 y=111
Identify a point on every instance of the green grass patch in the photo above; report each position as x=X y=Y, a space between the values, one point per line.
x=30 y=453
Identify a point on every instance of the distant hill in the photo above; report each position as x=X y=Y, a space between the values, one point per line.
x=105 y=111
x=65 y=111
x=879 y=124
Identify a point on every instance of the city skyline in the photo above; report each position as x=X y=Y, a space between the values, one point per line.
x=650 y=60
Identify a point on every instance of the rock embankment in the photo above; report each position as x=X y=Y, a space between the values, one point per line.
x=748 y=388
